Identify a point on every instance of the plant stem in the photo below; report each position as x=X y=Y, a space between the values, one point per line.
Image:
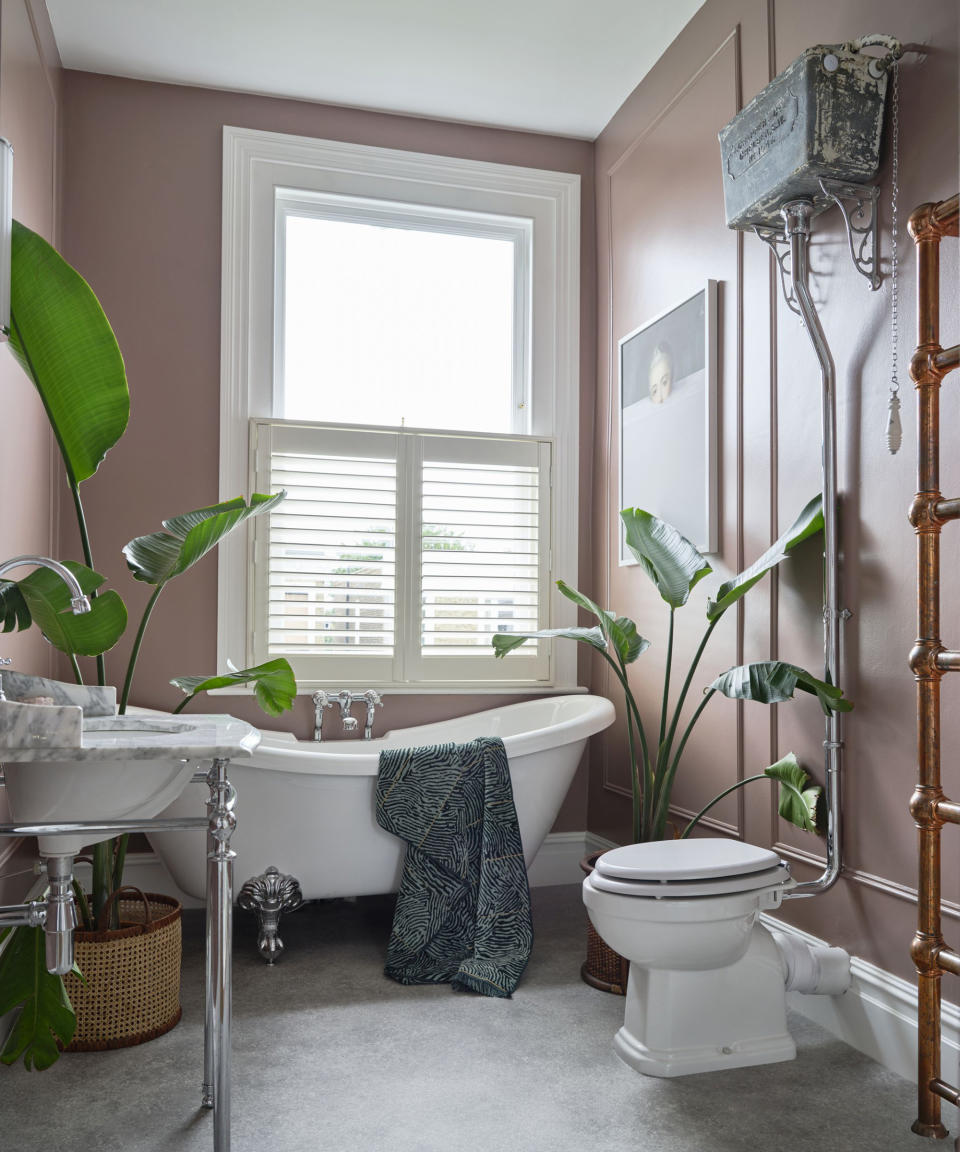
x=76 y=667
x=131 y=666
x=681 y=700
x=726 y=792
x=82 y=906
x=87 y=559
x=183 y=703
x=102 y=868
x=119 y=859
x=666 y=783
x=666 y=682
x=619 y=670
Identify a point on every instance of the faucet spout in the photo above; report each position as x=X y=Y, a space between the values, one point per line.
x=78 y=599
x=79 y=604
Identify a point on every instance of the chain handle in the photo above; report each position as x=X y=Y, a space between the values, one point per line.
x=894 y=427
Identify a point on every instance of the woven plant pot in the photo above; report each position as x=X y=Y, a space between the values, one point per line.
x=603 y=968
x=131 y=992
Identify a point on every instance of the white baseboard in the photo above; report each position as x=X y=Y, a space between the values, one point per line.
x=878 y=1016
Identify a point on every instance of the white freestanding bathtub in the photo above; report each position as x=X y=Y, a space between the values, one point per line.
x=307 y=808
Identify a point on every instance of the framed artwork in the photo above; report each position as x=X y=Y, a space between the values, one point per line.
x=668 y=420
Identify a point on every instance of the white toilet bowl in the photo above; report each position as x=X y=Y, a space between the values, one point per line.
x=706 y=988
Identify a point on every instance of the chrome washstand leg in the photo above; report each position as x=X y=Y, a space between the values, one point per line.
x=216 y=1048
x=269 y=896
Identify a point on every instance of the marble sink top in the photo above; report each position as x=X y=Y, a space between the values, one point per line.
x=55 y=733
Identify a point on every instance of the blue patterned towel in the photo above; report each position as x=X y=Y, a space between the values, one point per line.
x=463 y=910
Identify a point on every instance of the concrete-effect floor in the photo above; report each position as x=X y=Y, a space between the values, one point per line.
x=331 y=1056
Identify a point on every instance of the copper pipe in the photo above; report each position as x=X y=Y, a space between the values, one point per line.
x=948 y=359
x=948 y=509
x=948 y=811
x=929 y=659
x=947 y=1091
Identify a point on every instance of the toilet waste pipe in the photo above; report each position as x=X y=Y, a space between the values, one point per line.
x=797 y=215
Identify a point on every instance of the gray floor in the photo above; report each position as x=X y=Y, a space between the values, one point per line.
x=330 y=1056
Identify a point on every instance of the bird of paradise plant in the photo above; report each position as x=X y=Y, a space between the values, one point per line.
x=675 y=567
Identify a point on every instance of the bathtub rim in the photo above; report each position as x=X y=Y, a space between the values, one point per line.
x=283 y=752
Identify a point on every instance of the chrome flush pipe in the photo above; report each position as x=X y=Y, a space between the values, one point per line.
x=797 y=215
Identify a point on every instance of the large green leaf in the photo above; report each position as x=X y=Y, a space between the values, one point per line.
x=799 y=799
x=274 y=684
x=806 y=524
x=43 y=598
x=159 y=557
x=772 y=682
x=668 y=558
x=64 y=343
x=620 y=631
x=46 y=1014
x=504 y=642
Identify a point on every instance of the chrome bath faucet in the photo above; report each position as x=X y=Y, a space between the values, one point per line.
x=346 y=700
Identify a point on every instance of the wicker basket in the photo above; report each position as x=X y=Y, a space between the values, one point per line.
x=603 y=968
x=132 y=974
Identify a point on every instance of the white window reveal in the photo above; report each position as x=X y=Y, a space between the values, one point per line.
x=398 y=554
x=400 y=353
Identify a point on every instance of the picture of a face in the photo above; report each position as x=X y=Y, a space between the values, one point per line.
x=661 y=373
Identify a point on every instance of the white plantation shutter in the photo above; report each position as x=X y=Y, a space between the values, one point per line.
x=484 y=512
x=326 y=566
x=399 y=554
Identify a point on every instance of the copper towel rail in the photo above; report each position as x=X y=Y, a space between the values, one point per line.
x=929 y=658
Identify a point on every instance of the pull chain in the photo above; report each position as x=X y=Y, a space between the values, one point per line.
x=894 y=427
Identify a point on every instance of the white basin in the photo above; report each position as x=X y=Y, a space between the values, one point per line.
x=125 y=767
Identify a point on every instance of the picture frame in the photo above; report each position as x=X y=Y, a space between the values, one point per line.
x=667 y=420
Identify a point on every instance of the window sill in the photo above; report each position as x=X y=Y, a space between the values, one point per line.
x=307 y=689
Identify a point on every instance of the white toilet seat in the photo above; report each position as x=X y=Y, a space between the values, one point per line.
x=710 y=858
x=670 y=889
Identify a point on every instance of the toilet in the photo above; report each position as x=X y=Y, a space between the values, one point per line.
x=707 y=984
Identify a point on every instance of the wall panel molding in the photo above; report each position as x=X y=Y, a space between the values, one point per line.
x=729 y=295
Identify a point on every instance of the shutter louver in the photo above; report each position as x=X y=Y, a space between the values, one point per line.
x=332 y=553
x=479 y=555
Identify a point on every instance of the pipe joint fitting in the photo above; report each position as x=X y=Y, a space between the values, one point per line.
x=923 y=807
x=925 y=952
x=923 y=659
x=923 y=223
x=923 y=512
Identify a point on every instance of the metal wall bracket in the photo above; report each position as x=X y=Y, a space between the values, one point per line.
x=777 y=243
x=863 y=232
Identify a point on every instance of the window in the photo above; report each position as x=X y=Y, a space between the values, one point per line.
x=400 y=355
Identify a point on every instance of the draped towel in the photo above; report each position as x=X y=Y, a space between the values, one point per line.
x=463 y=909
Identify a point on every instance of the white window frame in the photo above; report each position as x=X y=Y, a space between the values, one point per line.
x=255 y=165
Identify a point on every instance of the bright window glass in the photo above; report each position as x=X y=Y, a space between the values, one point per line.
x=395 y=326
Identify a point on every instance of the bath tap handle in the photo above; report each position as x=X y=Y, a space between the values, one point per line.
x=372 y=701
x=321 y=700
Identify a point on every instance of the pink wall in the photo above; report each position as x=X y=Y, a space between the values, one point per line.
x=29 y=119
x=141 y=221
x=661 y=234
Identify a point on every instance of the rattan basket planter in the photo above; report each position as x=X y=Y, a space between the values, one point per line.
x=603 y=968
x=131 y=987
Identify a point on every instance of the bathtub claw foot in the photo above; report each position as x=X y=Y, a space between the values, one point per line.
x=269 y=895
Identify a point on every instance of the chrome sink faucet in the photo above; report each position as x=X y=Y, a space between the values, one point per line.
x=79 y=604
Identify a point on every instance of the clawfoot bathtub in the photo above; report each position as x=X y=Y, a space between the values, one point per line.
x=308 y=808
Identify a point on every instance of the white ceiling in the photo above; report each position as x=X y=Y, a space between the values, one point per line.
x=558 y=66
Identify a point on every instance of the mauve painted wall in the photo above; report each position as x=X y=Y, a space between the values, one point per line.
x=661 y=233
x=29 y=113
x=141 y=221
